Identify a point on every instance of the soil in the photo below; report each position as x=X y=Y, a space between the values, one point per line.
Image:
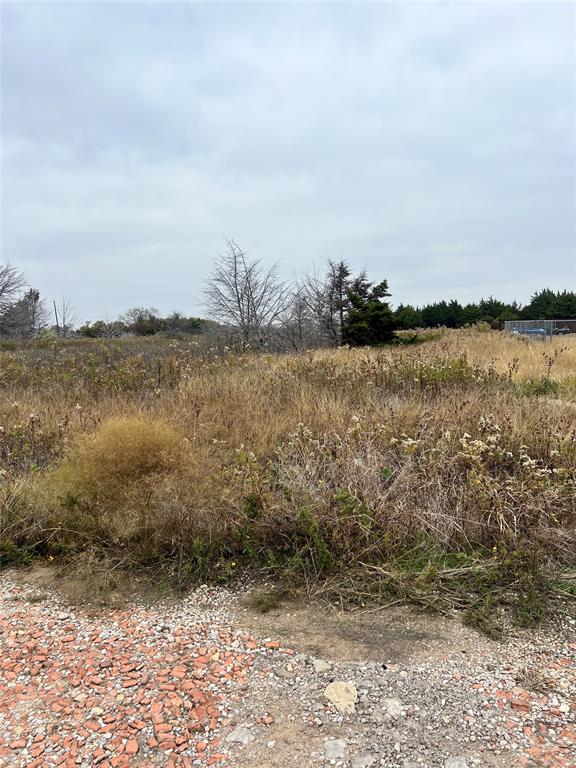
x=150 y=680
x=398 y=634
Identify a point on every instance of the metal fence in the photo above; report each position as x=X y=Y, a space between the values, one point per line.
x=540 y=329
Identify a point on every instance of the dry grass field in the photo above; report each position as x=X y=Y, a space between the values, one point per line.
x=441 y=473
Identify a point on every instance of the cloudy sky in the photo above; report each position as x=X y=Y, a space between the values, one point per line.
x=432 y=144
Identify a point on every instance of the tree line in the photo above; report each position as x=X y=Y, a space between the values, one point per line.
x=333 y=307
x=144 y=321
x=23 y=313
x=543 y=305
x=252 y=306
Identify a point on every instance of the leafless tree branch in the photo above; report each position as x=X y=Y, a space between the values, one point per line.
x=241 y=294
x=12 y=281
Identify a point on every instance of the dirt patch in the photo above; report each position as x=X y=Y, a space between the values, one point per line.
x=72 y=586
x=394 y=635
x=288 y=744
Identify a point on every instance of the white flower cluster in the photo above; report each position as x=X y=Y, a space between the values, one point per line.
x=406 y=443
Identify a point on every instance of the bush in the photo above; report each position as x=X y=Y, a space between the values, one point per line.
x=122 y=452
x=544 y=387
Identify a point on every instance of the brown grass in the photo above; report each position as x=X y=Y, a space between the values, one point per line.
x=121 y=452
x=195 y=462
x=521 y=358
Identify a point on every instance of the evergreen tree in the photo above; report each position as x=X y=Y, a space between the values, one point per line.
x=370 y=320
x=408 y=317
x=541 y=306
x=338 y=288
x=25 y=317
x=491 y=309
x=565 y=305
x=435 y=314
x=471 y=314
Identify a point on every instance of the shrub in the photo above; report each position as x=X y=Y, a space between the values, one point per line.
x=122 y=452
x=540 y=387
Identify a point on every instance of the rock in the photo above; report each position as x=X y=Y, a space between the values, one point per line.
x=321 y=666
x=271 y=744
x=240 y=735
x=334 y=749
x=365 y=760
x=392 y=709
x=377 y=716
x=455 y=762
x=342 y=695
x=132 y=747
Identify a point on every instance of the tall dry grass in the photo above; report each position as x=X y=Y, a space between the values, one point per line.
x=194 y=462
x=521 y=357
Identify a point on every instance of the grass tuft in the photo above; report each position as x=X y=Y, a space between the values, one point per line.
x=105 y=464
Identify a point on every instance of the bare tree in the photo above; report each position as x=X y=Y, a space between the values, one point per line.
x=111 y=328
x=244 y=296
x=299 y=328
x=64 y=317
x=12 y=281
x=317 y=298
x=326 y=296
x=143 y=321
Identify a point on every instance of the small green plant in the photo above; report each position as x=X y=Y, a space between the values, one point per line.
x=544 y=387
x=36 y=598
x=312 y=547
x=483 y=615
x=193 y=562
x=14 y=554
x=408 y=338
x=268 y=599
x=252 y=507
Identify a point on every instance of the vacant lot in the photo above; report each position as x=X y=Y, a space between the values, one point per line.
x=441 y=472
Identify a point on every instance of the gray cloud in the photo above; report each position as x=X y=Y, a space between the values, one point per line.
x=433 y=144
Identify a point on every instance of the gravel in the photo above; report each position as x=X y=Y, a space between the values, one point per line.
x=240 y=735
x=334 y=749
x=184 y=685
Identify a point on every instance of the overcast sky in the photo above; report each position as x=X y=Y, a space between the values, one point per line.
x=432 y=144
